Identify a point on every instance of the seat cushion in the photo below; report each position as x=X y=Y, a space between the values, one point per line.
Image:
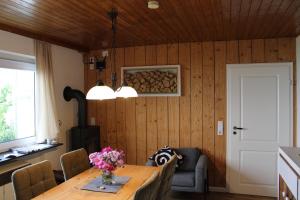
x=190 y=158
x=184 y=179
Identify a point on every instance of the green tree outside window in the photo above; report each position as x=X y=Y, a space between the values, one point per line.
x=7 y=132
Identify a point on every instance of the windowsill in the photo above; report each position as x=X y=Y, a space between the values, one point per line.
x=4 y=160
x=7 y=170
x=16 y=143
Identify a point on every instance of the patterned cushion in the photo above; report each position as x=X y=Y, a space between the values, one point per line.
x=163 y=155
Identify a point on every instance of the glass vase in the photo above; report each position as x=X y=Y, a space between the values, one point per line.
x=107 y=177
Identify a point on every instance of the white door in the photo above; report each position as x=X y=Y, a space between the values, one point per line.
x=259 y=121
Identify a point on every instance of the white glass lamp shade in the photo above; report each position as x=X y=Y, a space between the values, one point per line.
x=100 y=92
x=126 y=92
x=153 y=4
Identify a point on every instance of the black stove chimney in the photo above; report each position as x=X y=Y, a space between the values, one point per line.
x=69 y=94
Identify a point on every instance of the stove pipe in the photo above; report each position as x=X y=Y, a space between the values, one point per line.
x=69 y=94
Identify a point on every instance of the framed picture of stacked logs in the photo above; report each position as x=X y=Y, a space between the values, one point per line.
x=162 y=80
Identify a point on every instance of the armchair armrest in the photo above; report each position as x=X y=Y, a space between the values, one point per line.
x=201 y=173
x=150 y=163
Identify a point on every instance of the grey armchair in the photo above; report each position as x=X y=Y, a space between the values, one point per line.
x=191 y=175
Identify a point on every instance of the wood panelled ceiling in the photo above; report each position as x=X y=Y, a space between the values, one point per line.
x=84 y=25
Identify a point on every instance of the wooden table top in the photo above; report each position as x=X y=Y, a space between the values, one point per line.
x=71 y=188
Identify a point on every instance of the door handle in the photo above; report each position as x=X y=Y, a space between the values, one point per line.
x=238 y=128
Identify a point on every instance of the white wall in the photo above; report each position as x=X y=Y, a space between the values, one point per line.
x=68 y=70
x=298 y=88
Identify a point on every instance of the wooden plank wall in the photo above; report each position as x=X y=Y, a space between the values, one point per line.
x=142 y=125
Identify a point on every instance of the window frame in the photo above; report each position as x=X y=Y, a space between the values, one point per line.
x=16 y=61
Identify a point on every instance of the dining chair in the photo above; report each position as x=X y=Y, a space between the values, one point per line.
x=149 y=189
x=31 y=181
x=166 y=176
x=74 y=163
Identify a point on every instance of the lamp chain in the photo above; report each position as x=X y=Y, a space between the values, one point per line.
x=113 y=15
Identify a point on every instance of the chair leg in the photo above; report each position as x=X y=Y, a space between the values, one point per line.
x=206 y=183
x=204 y=196
x=206 y=187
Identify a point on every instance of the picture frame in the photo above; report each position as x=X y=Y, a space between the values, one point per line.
x=158 y=80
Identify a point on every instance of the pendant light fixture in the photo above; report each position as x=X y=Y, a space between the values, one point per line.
x=152 y=4
x=124 y=90
x=101 y=91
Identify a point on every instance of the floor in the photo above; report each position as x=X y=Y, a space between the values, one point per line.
x=216 y=196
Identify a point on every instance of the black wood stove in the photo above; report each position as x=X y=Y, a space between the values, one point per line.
x=82 y=136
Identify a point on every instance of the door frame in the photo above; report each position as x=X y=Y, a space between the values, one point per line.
x=228 y=98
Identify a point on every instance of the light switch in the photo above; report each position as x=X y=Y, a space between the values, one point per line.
x=91 y=63
x=105 y=53
x=93 y=121
x=91 y=66
x=220 y=128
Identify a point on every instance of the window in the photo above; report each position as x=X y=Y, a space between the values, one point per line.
x=17 y=98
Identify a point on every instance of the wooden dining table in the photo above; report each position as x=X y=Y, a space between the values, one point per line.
x=71 y=189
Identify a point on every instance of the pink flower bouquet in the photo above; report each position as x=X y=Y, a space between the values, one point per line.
x=108 y=159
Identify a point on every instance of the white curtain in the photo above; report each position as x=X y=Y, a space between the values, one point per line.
x=46 y=113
